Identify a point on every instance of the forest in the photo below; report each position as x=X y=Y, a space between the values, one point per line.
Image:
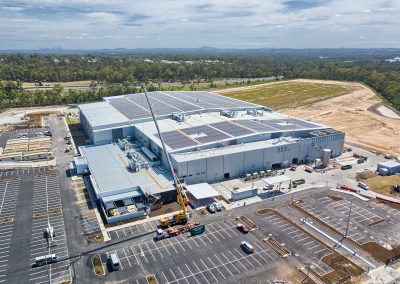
x=121 y=73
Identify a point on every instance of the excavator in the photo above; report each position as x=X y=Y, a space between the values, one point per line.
x=183 y=216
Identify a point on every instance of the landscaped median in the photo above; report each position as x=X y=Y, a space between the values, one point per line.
x=151 y=279
x=95 y=238
x=47 y=213
x=98 y=266
x=6 y=220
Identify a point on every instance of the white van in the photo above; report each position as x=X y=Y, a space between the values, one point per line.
x=46 y=259
x=114 y=261
x=248 y=248
x=363 y=185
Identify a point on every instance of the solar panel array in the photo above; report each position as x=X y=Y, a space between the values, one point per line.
x=135 y=106
x=215 y=132
x=131 y=111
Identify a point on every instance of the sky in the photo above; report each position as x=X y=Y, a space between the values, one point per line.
x=98 y=24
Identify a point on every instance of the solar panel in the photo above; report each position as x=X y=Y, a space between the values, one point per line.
x=176 y=140
x=255 y=125
x=280 y=124
x=129 y=109
x=173 y=100
x=231 y=128
x=205 y=134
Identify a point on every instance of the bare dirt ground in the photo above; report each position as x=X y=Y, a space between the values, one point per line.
x=359 y=113
x=350 y=113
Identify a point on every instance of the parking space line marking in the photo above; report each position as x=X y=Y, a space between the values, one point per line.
x=209 y=270
x=127 y=257
x=237 y=260
x=217 y=231
x=214 y=266
x=187 y=267
x=245 y=258
x=169 y=240
x=229 y=262
x=201 y=272
x=134 y=254
x=223 y=264
x=162 y=272
x=150 y=251
x=193 y=240
x=182 y=275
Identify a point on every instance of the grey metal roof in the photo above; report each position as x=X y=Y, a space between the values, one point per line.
x=102 y=114
x=108 y=166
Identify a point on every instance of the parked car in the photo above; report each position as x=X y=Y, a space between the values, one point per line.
x=247 y=247
x=363 y=185
x=346 y=167
x=299 y=181
x=243 y=228
x=114 y=261
x=217 y=206
x=48 y=133
x=211 y=208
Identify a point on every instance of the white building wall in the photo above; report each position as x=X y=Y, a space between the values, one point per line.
x=215 y=169
x=196 y=171
x=233 y=164
x=253 y=161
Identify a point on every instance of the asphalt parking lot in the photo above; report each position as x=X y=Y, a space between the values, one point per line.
x=47 y=201
x=28 y=197
x=8 y=198
x=131 y=230
x=298 y=242
x=216 y=256
x=368 y=222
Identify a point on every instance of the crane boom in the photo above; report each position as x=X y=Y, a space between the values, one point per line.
x=161 y=138
x=178 y=185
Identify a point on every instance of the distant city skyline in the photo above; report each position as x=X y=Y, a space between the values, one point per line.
x=101 y=24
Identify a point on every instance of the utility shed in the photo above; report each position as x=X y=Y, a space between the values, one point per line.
x=201 y=193
x=392 y=167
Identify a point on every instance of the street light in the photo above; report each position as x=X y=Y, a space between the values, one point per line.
x=348 y=219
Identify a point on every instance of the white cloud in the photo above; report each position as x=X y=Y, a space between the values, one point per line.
x=234 y=23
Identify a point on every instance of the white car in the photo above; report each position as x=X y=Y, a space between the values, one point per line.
x=217 y=206
x=363 y=185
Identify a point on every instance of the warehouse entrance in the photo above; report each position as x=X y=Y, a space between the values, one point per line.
x=226 y=175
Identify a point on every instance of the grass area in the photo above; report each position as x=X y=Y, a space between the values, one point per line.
x=64 y=84
x=288 y=94
x=97 y=265
x=95 y=238
x=72 y=120
x=152 y=279
x=383 y=184
x=42 y=112
x=6 y=220
x=47 y=213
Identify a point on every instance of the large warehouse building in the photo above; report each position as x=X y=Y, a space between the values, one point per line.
x=209 y=137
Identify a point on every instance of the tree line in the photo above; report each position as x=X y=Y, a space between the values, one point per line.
x=120 y=74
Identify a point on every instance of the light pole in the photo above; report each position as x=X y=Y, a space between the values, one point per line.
x=348 y=219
